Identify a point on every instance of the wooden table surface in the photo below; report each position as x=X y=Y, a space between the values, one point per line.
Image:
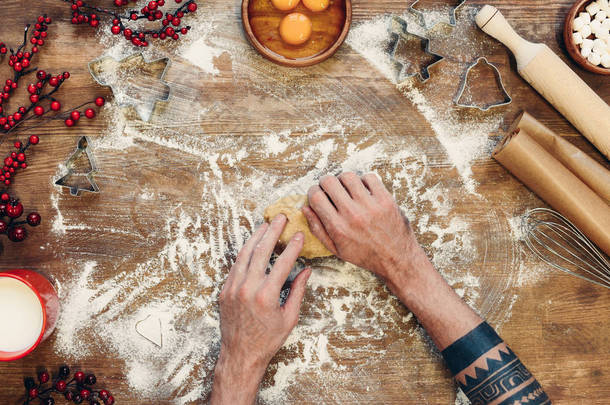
x=171 y=170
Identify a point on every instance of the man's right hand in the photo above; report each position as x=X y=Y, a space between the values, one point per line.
x=358 y=220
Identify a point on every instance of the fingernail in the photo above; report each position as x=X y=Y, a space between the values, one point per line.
x=279 y=218
x=298 y=236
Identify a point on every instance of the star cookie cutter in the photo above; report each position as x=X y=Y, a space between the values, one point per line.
x=77 y=180
x=422 y=14
x=399 y=31
x=500 y=83
x=142 y=96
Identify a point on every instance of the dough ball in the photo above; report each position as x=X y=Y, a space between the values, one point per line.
x=291 y=207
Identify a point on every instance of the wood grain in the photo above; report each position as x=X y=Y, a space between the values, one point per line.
x=559 y=325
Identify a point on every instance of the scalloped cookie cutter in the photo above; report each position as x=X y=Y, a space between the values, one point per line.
x=500 y=83
x=104 y=69
x=422 y=14
x=66 y=180
x=399 y=30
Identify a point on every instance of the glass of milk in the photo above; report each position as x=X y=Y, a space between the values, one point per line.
x=29 y=307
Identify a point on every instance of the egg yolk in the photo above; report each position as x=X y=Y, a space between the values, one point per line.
x=316 y=5
x=295 y=28
x=285 y=5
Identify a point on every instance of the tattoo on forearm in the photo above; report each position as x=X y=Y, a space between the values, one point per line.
x=489 y=372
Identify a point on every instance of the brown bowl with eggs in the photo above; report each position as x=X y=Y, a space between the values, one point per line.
x=296 y=33
x=587 y=35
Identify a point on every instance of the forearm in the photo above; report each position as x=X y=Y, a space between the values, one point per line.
x=234 y=383
x=483 y=365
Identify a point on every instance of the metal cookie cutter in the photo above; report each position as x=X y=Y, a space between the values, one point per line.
x=139 y=93
x=78 y=180
x=422 y=15
x=507 y=98
x=399 y=31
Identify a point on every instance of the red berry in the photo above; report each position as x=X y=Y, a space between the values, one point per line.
x=118 y=3
x=21 y=157
x=18 y=145
x=38 y=110
x=75 y=115
x=55 y=105
x=69 y=122
x=192 y=7
x=53 y=81
x=85 y=393
x=89 y=113
x=34 y=139
x=18 y=234
x=34 y=98
x=14 y=211
x=109 y=401
x=17 y=116
x=43 y=377
x=176 y=21
x=41 y=75
x=8 y=161
x=61 y=384
x=104 y=395
x=90 y=379
x=69 y=395
x=99 y=101
x=4 y=228
x=94 y=23
x=116 y=30
x=79 y=376
x=32 y=89
x=134 y=16
x=4 y=197
x=25 y=63
x=66 y=75
x=33 y=393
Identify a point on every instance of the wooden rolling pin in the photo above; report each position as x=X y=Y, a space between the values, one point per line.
x=553 y=79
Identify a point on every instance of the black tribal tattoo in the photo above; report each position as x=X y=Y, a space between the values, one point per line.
x=489 y=372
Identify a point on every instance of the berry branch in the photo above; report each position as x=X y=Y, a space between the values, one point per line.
x=170 y=27
x=77 y=389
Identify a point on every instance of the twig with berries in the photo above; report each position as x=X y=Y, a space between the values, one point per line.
x=170 y=26
x=10 y=208
x=77 y=389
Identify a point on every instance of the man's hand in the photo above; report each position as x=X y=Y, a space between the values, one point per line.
x=358 y=220
x=253 y=324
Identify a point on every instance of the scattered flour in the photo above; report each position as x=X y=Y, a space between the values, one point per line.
x=349 y=322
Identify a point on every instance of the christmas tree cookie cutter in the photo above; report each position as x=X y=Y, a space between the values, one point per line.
x=399 y=32
x=135 y=82
x=77 y=179
x=499 y=82
x=422 y=15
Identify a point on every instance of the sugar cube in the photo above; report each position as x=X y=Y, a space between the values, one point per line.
x=593 y=8
x=606 y=24
x=587 y=44
x=601 y=15
x=585 y=31
x=604 y=5
x=595 y=58
x=595 y=26
x=603 y=34
x=599 y=45
x=606 y=60
x=585 y=52
x=586 y=17
x=578 y=23
x=577 y=38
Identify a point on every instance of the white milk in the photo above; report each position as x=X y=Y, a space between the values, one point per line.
x=20 y=316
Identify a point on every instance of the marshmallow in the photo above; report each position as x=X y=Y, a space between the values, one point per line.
x=606 y=60
x=585 y=31
x=577 y=38
x=606 y=24
x=587 y=44
x=578 y=23
x=595 y=26
x=593 y=8
x=601 y=15
x=585 y=52
x=586 y=17
x=599 y=45
x=595 y=58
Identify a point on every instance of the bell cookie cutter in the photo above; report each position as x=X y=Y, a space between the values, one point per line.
x=399 y=30
x=67 y=180
x=500 y=83
x=104 y=72
x=422 y=14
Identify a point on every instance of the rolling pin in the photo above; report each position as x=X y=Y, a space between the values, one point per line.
x=553 y=79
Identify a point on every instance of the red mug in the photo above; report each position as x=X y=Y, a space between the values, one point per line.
x=29 y=307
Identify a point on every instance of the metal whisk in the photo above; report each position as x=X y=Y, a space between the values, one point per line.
x=559 y=243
